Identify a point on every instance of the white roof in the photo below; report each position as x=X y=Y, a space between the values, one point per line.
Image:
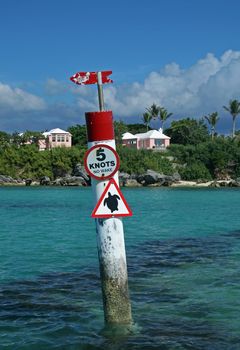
x=55 y=131
x=151 y=134
x=128 y=135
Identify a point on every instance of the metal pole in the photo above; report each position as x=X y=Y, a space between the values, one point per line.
x=110 y=234
x=100 y=91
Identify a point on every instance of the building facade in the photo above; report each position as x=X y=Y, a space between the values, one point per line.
x=55 y=138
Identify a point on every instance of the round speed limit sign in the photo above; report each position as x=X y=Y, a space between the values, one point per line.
x=101 y=162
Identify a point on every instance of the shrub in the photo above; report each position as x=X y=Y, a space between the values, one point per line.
x=195 y=171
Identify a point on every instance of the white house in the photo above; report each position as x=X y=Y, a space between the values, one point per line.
x=152 y=139
x=55 y=138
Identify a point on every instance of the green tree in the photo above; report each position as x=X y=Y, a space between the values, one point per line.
x=220 y=156
x=16 y=139
x=212 y=119
x=195 y=171
x=4 y=139
x=153 y=111
x=147 y=117
x=79 y=135
x=157 y=112
x=119 y=128
x=31 y=136
x=136 y=128
x=135 y=161
x=63 y=160
x=163 y=115
x=188 y=131
x=234 y=109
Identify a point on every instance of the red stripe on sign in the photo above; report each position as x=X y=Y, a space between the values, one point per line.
x=99 y=126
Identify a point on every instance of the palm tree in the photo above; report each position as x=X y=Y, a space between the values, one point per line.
x=153 y=111
x=163 y=115
x=147 y=117
x=234 y=109
x=159 y=112
x=212 y=119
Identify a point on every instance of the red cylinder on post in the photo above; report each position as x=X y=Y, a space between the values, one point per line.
x=99 y=126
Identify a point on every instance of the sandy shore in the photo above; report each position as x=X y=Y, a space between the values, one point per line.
x=191 y=184
x=214 y=184
x=201 y=184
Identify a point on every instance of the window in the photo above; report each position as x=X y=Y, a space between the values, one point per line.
x=62 y=138
x=54 y=138
x=158 y=142
x=58 y=138
x=132 y=142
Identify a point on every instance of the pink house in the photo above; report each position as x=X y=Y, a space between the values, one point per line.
x=55 y=138
x=152 y=139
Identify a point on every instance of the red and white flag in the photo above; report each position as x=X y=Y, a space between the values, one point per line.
x=84 y=78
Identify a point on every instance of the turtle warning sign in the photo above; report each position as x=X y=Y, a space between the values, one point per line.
x=111 y=203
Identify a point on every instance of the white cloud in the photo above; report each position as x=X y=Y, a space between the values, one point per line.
x=54 y=87
x=202 y=88
x=15 y=99
x=191 y=92
x=195 y=91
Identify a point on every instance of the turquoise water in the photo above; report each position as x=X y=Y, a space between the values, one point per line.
x=183 y=250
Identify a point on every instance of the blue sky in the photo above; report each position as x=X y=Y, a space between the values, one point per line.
x=180 y=54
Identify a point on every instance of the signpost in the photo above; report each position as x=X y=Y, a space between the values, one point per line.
x=102 y=163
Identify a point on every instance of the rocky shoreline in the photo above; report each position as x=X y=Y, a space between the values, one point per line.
x=154 y=179
x=79 y=177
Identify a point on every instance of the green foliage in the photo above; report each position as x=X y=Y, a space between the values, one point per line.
x=220 y=156
x=163 y=115
x=9 y=160
x=146 y=118
x=26 y=161
x=188 y=131
x=4 y=139
x=31 y=136
x=119 y=129
x=212 y=120
x=135 y=161
x=63 y=160
x=195 y=154
x=79 y=135
x=195 y=171
x=153 y=110
x=234 y=109
x=158 y=112
x=136 y=128
x=16 y=139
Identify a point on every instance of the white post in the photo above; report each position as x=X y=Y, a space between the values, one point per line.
x=110 y=234
x=100 y=91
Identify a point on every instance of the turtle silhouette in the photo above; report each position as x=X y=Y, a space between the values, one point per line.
x=112 y=202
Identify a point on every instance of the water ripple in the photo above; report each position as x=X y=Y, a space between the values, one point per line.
x=64 y=310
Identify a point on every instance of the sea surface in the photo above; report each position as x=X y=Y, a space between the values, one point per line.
x=183 y=253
